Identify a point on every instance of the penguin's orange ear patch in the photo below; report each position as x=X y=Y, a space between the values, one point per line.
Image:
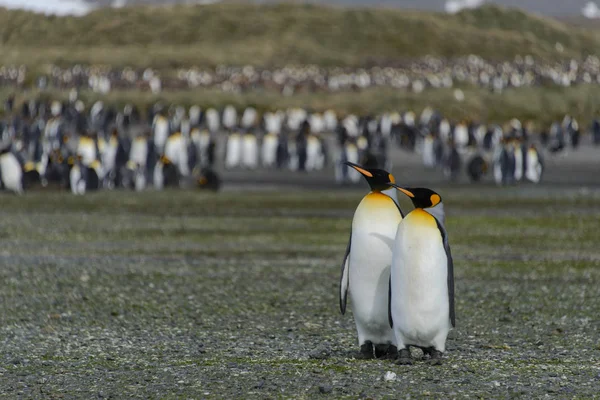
x=391 y=178
x=363 y=171
x=435 y=200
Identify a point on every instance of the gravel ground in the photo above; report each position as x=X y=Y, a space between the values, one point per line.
x=182 y=294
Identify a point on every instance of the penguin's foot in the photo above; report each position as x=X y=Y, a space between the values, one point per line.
x=404 y=357
x=366 y=351
x=436 y=357
x=386 y=351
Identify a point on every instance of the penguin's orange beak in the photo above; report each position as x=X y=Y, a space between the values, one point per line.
x=359 y=169
x=406 y=192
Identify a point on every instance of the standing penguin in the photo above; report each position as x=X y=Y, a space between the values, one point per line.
x=11 y=172
x=366 y=266
x=421 y=291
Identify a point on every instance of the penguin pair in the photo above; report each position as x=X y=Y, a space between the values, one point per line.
x=398 y=271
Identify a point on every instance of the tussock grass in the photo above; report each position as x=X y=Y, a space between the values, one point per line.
x=276 y=34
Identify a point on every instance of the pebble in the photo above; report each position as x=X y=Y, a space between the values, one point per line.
x=325 y=389
x=389 y=376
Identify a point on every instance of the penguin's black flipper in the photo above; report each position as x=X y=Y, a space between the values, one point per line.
x=450 y=272
x=390 y=319
x=345 y=278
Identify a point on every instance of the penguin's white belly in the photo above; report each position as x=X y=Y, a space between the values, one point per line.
x=269 y=150
x=158 y=178
x=12 y=173
x=518 y=164
x=139 y=152
x=234 y=150
x=250 y=153
x=420 y=305
x=161 y=134
x=534 y=169
x=373 y=229
x=87 y=153
x=313 y=155
x=176 y=151
x=76 y=180
x=109 y=158
x=428 y=153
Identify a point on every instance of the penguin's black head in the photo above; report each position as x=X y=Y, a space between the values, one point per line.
x=421 y=197
x=378 y=179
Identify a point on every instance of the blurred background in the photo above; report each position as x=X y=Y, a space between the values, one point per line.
x=138 y=94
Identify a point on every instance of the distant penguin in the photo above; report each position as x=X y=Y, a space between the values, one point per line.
x=176 y=151
x=519 y=160
x=535 y=167
x=31 y=175
x=209 y=180
x=249 y=151
x=160 y=132
x=269 y=149
x=504 y=164
x=233 y=153
x=452 y=162
x=429 y=159
x=421 y=290
x=366 y=265
x=86 y=148
x=203 y=142
x=461 y=136
x=230 y=118
x=77 y=177
x=166 y=174
x=212 y=120
x=315 y=160
x=11 y=172
x=476 y=167
x=133 y=176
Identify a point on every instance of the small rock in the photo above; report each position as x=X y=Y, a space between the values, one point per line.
x=389 y=376
x=320 y=353
x=260 y=385
x=325 y=389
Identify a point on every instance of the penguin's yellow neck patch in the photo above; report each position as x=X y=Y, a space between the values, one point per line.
x=422 y=217
x=377 y=199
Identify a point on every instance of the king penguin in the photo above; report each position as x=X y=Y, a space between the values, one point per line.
x=366 y=265
x=421 y=290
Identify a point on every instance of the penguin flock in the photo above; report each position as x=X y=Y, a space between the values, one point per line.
x=414 y=75
x=398 y=272
x=511 y=154
x=85 y=148
x=60 y=145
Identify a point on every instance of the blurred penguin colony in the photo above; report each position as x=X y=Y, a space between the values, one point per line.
x=414 y=75
x=70 y=146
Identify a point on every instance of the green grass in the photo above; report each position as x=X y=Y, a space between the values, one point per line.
x=195 y=295
x=277 y=34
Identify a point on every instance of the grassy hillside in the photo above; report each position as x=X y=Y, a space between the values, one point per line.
x=276 y=34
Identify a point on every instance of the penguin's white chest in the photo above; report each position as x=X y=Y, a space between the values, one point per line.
x=11 y=172
x=419 y=273
x=234 y=151
x=373 y=230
